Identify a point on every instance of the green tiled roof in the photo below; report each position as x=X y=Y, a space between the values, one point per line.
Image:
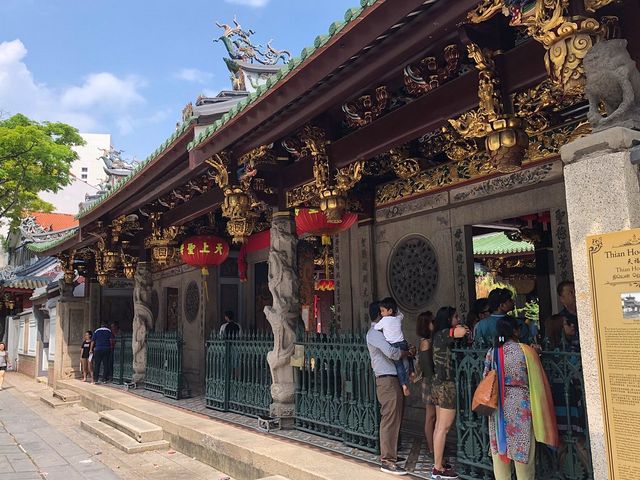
x=499 y=244
x=350 y=15
x=273 y=81
x=43 y=246
x=138 y=168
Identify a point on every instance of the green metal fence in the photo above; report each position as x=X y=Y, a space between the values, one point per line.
x=164 y=364
x=335 y=392
x=238 y=378
x=122 y=359
x=572 y=461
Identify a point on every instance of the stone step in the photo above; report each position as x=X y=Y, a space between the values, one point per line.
x=66 y=395
x=55 y=402
x=140 y=430
x=120 y=439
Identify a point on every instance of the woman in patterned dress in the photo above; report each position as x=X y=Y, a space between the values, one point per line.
x=511 y=429
x=424 y=329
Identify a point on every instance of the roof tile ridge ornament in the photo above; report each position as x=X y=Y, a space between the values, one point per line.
x=292 y=66
x=139 y=167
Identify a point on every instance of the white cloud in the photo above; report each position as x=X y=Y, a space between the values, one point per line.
x=194 y=75
x=249 y=3
x=101 y=90
x=88 y=106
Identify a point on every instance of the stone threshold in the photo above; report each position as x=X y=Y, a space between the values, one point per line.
x=242 y=453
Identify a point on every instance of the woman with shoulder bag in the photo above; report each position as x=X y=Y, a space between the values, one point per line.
x=525 y=412
x=424 y=329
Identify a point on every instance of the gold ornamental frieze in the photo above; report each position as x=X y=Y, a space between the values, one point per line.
x=566 y=38
x=503 y=133
x=430 y=73
x=330 y=195
x=541 y=146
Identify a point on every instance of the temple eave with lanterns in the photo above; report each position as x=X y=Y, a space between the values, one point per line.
x=411 y=134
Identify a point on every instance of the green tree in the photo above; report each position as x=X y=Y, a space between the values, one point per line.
x=33 y=157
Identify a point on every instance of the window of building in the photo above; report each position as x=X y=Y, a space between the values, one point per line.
x=21 y=335
x=84 y=176
x=85 y=169
x=52 y=333
x=33 y=335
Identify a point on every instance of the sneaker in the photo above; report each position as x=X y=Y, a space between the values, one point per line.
x=400 y=459
x=446 y=474
x=393 y=469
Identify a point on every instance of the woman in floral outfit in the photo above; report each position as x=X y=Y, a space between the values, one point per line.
x=513 y=430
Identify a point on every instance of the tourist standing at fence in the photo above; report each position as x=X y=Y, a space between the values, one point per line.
x=424 y=329
x=525 y=411
x=390 y=324
x=388 y=391
x=500 y=303
x=229 y=327
x=479 y=311
x=3 y=362
x=85 y=352
x=100 y=347
x=567 y=294
x=115 y=330
x=447 y=330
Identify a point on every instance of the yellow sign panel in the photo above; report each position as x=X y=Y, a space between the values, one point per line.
x=614 y=269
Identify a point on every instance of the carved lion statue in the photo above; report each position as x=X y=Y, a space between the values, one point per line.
x=612 y=79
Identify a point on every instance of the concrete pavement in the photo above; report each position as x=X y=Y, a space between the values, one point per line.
x=39 y=442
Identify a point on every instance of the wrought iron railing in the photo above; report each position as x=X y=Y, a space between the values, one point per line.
x=572 y=461
x=335 y=392
x=238 y=378
x=164 y=364
x=122 y=359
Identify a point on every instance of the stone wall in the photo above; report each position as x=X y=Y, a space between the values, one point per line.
x=196 y=317
x=27 y=365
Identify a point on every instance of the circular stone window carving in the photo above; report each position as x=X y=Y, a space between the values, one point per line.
x=155 y=304
x=192 y=301
x=413 y=272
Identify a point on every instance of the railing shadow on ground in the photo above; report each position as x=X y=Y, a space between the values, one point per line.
x=572 y=461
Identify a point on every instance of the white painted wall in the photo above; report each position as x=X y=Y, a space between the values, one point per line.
x=88 y=172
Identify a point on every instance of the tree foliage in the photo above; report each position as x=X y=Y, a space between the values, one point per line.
x=33 y=157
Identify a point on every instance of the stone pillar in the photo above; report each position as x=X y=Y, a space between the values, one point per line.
x=284 y=314
x=602 y=196
x=71 y=321
x=363 y=279
x=143 y=320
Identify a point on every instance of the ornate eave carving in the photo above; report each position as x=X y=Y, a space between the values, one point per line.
x=429 y=73
x=542 y=146
x=366 y=108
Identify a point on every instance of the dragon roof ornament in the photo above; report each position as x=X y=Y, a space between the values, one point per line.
x=240 y=47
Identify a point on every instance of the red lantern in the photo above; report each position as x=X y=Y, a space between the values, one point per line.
x=203 y=251
x=315 y=222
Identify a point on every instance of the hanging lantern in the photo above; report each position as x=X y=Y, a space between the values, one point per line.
x=315 y=222
x=202 y=251
x=103 y=278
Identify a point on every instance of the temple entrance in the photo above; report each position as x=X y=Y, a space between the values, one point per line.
x=517 y=254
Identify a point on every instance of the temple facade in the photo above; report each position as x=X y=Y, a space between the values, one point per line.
x=413 y=151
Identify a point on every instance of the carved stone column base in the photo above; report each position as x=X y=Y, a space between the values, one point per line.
x=285 y=412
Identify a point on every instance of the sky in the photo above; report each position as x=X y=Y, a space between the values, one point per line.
x=129 y=67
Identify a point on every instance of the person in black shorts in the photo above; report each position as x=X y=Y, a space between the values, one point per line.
x=3 y=362
x=85 y=363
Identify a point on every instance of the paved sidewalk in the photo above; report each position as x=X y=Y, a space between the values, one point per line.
x=39 y=442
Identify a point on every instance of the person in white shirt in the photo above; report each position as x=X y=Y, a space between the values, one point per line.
x=391 y=327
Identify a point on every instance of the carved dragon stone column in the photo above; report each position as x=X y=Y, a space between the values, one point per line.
x=284 y=314
x=143 y=320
